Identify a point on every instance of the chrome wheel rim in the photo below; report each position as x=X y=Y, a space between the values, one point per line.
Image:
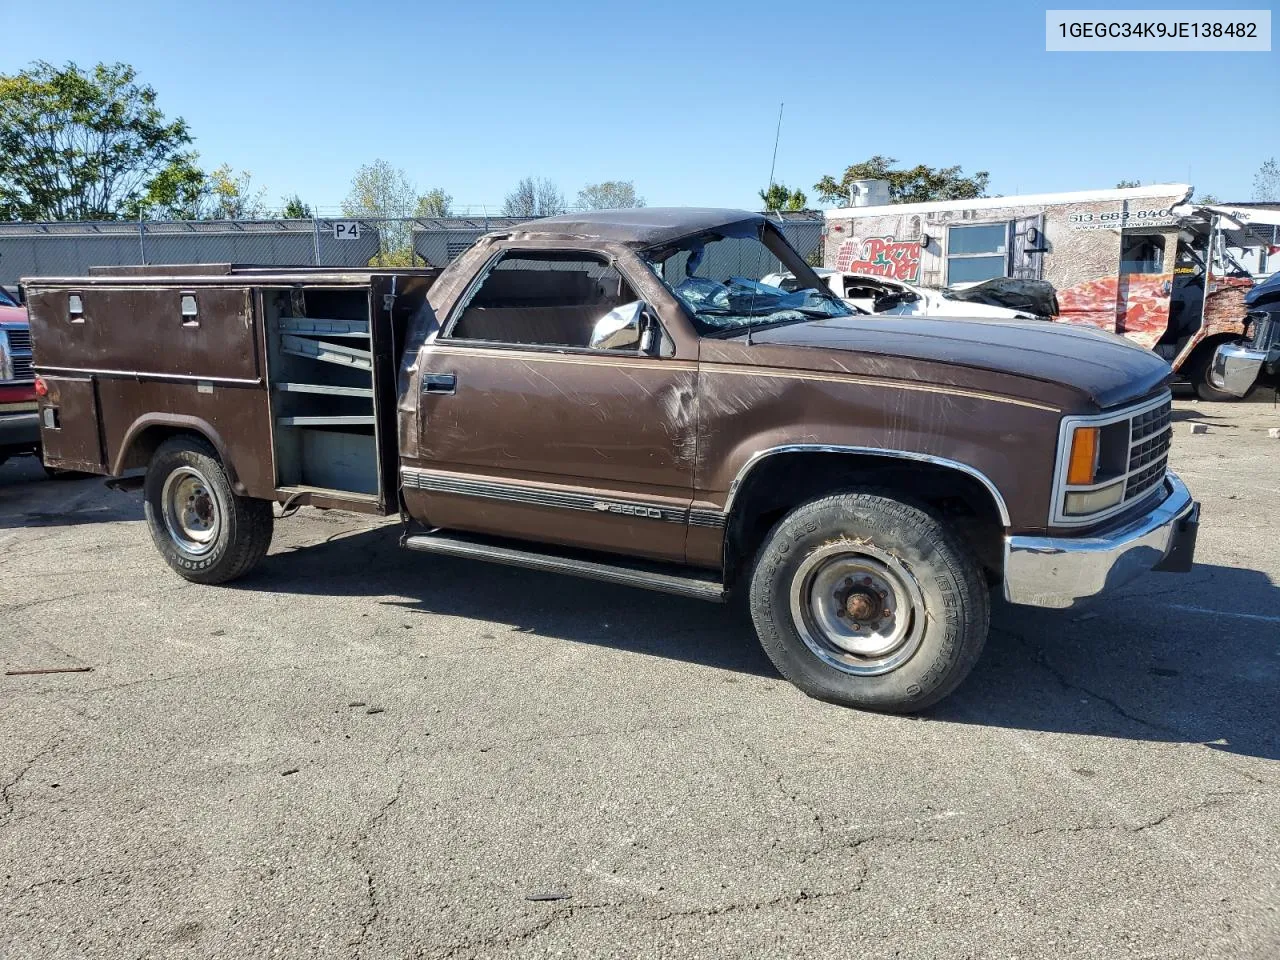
x=857 y=608
x=192 y=516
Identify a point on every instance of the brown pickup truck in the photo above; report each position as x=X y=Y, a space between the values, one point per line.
x=613 y=395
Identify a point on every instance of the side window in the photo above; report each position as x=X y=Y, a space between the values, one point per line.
x=1141 y=253
x=976 y=252
x=551 y=299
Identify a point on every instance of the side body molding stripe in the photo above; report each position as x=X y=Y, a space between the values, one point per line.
x=416 y=479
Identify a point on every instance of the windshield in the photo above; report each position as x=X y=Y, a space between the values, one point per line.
x=6 y=300
x=717 y=276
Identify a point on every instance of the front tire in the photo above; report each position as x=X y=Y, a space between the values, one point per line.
x=201 y=527
x=866 y=601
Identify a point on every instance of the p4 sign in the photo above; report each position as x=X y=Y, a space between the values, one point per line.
x=346 y=229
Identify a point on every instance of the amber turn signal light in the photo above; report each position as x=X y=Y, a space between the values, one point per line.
x=1083 y=465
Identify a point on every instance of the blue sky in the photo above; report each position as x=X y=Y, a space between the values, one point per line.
x=682 y=98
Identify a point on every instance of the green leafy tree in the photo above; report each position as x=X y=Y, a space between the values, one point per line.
x=609 y=195
x=379 y=190
x=233 y=196
x=434 y=203
x=918 y=184
x=1266 y=182
x=87 y=145
x=781 y=197
x=178 y=192
x=293 y=208
x=534 y=197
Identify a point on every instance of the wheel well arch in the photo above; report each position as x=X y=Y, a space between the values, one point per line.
x=147 y=433
x=1186 y=363
x=776 y=481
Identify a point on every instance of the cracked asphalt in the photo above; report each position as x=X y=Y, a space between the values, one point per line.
x=362 y=752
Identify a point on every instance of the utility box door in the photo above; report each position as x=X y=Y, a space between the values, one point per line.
x=69 y=424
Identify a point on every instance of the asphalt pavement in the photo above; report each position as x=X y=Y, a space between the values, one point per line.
x=363 y=752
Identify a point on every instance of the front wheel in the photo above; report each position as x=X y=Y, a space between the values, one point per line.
x=203 y=530
x=870 y=602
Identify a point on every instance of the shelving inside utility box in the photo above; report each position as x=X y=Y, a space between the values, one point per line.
x=320 y=355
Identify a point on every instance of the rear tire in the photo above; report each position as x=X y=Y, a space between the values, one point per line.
x=203 y=530
x=866 y=601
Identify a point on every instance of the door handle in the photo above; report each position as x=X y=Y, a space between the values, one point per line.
x=441 y=383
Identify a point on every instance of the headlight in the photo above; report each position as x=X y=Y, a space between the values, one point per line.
x=6 y=360
x=1083 y=503
x=1106 y=460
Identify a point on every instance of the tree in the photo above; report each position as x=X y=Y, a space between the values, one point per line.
x=534 y=198
x=780 y=197
x=1126 y=184
x=378 y=191
x=609 y=195
x=294 y=209
x=86 y=144
x=1266 y=182
x=233 y=197
x=917 y=185
x=434 y=203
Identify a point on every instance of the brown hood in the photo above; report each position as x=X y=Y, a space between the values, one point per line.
x=1108 y=369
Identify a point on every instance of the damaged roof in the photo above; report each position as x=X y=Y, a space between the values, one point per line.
x=640 y=226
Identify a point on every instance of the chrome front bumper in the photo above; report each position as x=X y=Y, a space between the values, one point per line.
x=1062 y=571
x=1235 y=368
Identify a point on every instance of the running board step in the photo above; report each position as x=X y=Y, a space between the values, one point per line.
x=647 y=577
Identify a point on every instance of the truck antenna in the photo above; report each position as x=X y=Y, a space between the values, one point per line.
x=777 y=135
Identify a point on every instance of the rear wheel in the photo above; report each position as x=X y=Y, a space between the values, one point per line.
x=203 y=530
x=867 y=601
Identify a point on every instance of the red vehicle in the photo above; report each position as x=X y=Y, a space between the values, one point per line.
x=19 y=419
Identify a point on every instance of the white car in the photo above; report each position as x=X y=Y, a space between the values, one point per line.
x=895 y=297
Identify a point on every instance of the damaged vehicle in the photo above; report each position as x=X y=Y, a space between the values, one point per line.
x=616 y=395
x=1238 y=366
x=899 y=298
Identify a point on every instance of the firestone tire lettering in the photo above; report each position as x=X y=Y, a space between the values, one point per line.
x=245 y=532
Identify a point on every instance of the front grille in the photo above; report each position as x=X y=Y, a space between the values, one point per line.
x=19 y=339
x=1150 y=434
x=1264 y=329
x=22 y=369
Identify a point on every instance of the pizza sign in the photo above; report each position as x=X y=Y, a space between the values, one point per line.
x=881 y=257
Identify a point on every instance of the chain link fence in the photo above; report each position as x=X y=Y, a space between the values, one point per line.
x=70 y=249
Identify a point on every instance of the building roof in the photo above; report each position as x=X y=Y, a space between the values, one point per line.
x=642 y=226
x=1181 y=191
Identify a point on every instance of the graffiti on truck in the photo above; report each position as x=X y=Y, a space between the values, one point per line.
x=881 y=257
x=1135 y=305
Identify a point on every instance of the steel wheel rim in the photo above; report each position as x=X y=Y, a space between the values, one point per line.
x=191 y=513
x=857 y=608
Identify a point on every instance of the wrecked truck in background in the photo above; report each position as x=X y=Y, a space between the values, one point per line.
x=993 y=300
x=614 y=395
x=1143 y=262
x=1237 y=367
